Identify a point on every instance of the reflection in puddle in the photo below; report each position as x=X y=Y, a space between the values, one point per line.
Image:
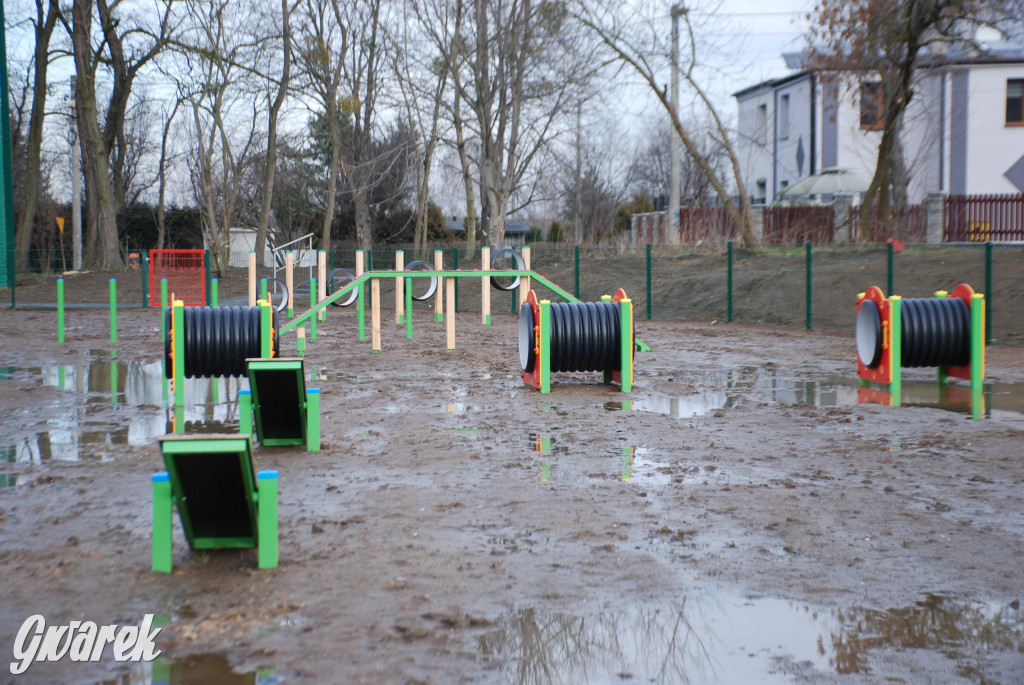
x=198 y=669
x=750 y=386
x=729 y=639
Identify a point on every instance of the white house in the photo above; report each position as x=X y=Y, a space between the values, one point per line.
x=963 y=131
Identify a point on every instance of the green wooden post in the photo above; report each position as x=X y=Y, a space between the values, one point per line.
x=300 y=341
x=267 y=518
x=266 y=321
x=60 y=310
x=896 y=349
x=214 y=292
x=890 y=261
x=408 y=308
x=649 y=302
x=807 y=250
x=245 y=412
x=988 y=292
x=941 y=373
x=626 y=345
x=728 y=284
x=312 y=303
x=607 y=377
x=113 y=310
x=313 y=419
x=162 y=524
x=545 y=347
x=144 y=265
x=178 y=316
x=576 y=271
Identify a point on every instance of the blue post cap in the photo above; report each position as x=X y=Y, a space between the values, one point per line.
x=113 y=280
x=214 y=279
x=161 y=477
x=316 y=390
x=245 y=392
x=60 y=280
x=267 y=474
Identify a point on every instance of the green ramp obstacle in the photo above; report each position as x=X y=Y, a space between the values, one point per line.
x=221 y=500
x=286 y=412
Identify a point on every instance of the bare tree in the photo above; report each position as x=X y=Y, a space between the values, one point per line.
x=642 y=55
x=44 y=23
x=649 y=171
x=125 y=45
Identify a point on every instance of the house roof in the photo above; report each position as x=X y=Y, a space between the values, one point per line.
x=771 y=84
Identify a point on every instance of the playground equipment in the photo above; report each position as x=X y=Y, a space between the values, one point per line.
x=576 y=336
x=221 y=500
x=185 y=272
x=286 y=412
x=945 y=331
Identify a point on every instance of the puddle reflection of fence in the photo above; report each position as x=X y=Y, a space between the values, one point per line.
x=731 y=639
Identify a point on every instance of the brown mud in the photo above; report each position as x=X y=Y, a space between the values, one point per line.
x=460 y=527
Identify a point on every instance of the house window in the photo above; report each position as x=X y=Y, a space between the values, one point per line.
x=1014 y=102
x=784 y=117
x=872 y=105
x=762 y=124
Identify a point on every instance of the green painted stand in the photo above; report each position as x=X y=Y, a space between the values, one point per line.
x=286 y=412
x=408 y=308
x=214 y=292
x=221 y=501
x=245 y=412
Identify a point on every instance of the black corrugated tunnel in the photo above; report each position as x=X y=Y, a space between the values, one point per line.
x=218 y=340
x=935 y=332
x=584 y=336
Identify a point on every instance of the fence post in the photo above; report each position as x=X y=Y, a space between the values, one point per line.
x=576 y=271
x=807 y=249
x=934 y=204
x=144 y=267
x=206 y=274
x=728 y=284
x=455 y=265
x=988 y=292
x=648 y=281
x=889 y=261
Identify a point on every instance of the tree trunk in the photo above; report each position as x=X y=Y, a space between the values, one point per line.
x=361 y=205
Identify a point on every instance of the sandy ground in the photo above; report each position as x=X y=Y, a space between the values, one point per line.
x=460 y=527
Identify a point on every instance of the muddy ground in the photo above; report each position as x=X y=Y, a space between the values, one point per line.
x=460 y=527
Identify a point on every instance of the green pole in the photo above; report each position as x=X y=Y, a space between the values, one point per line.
x=576 y=272
x=988 y=292
x=263 y=289
x=313 y=420
x=214 y=292
x=7 y=184
x=649 y=302
x=60 y=306
x=807 y=248
x=266 y=317
x=162 y=526
x=977 y=356
x=360 y=306
x=455 y=265
x=728 y=284
x=408 y=308
x=439 y=316
x=890 y=261
x=626 y=345
x=163 y=309
x=245 y=412
x=267 y=519
x=545 y=347
x=942 y=373
x=113 y=310
x=178 y=313
x=896 y=350
x=144 y=257
x=206 y=274
x=607 y=377
x=312 y=303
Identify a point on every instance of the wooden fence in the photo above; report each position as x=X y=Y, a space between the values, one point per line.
x=980 y=218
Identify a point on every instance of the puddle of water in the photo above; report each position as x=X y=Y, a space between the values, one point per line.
x=731 y=639
x=198 y=669
x=750 y=386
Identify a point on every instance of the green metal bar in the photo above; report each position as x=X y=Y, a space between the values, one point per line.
x=60 y=310
x=162 y=524
x=266 y=319
x=576 y=270
x=545 y=347
x=178 y=328
x=312 y=314
x=728 y=284
x=626 y=345
x=7 y=176
x=896 y=349
x=988 y=292
x=890 y=261
x=113 y=310
x=144 y=258
x=214 y=292
x=649 y=298
x=312 y=419
x=408 y=308
x=267 y=518
x=245 y=412
x=809 y=286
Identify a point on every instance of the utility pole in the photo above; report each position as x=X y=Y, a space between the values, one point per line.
x=672 y=224
x=577 y=223
x=76 y=183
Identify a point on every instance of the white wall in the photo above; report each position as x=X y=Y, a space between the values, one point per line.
x=992 y=146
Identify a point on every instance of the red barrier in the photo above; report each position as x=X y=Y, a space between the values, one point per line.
x=185 y=271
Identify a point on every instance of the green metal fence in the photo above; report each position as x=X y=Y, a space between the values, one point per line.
x=811 y=286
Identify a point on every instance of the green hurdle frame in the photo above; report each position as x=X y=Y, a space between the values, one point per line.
x=221 y=500
x=286 y=412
